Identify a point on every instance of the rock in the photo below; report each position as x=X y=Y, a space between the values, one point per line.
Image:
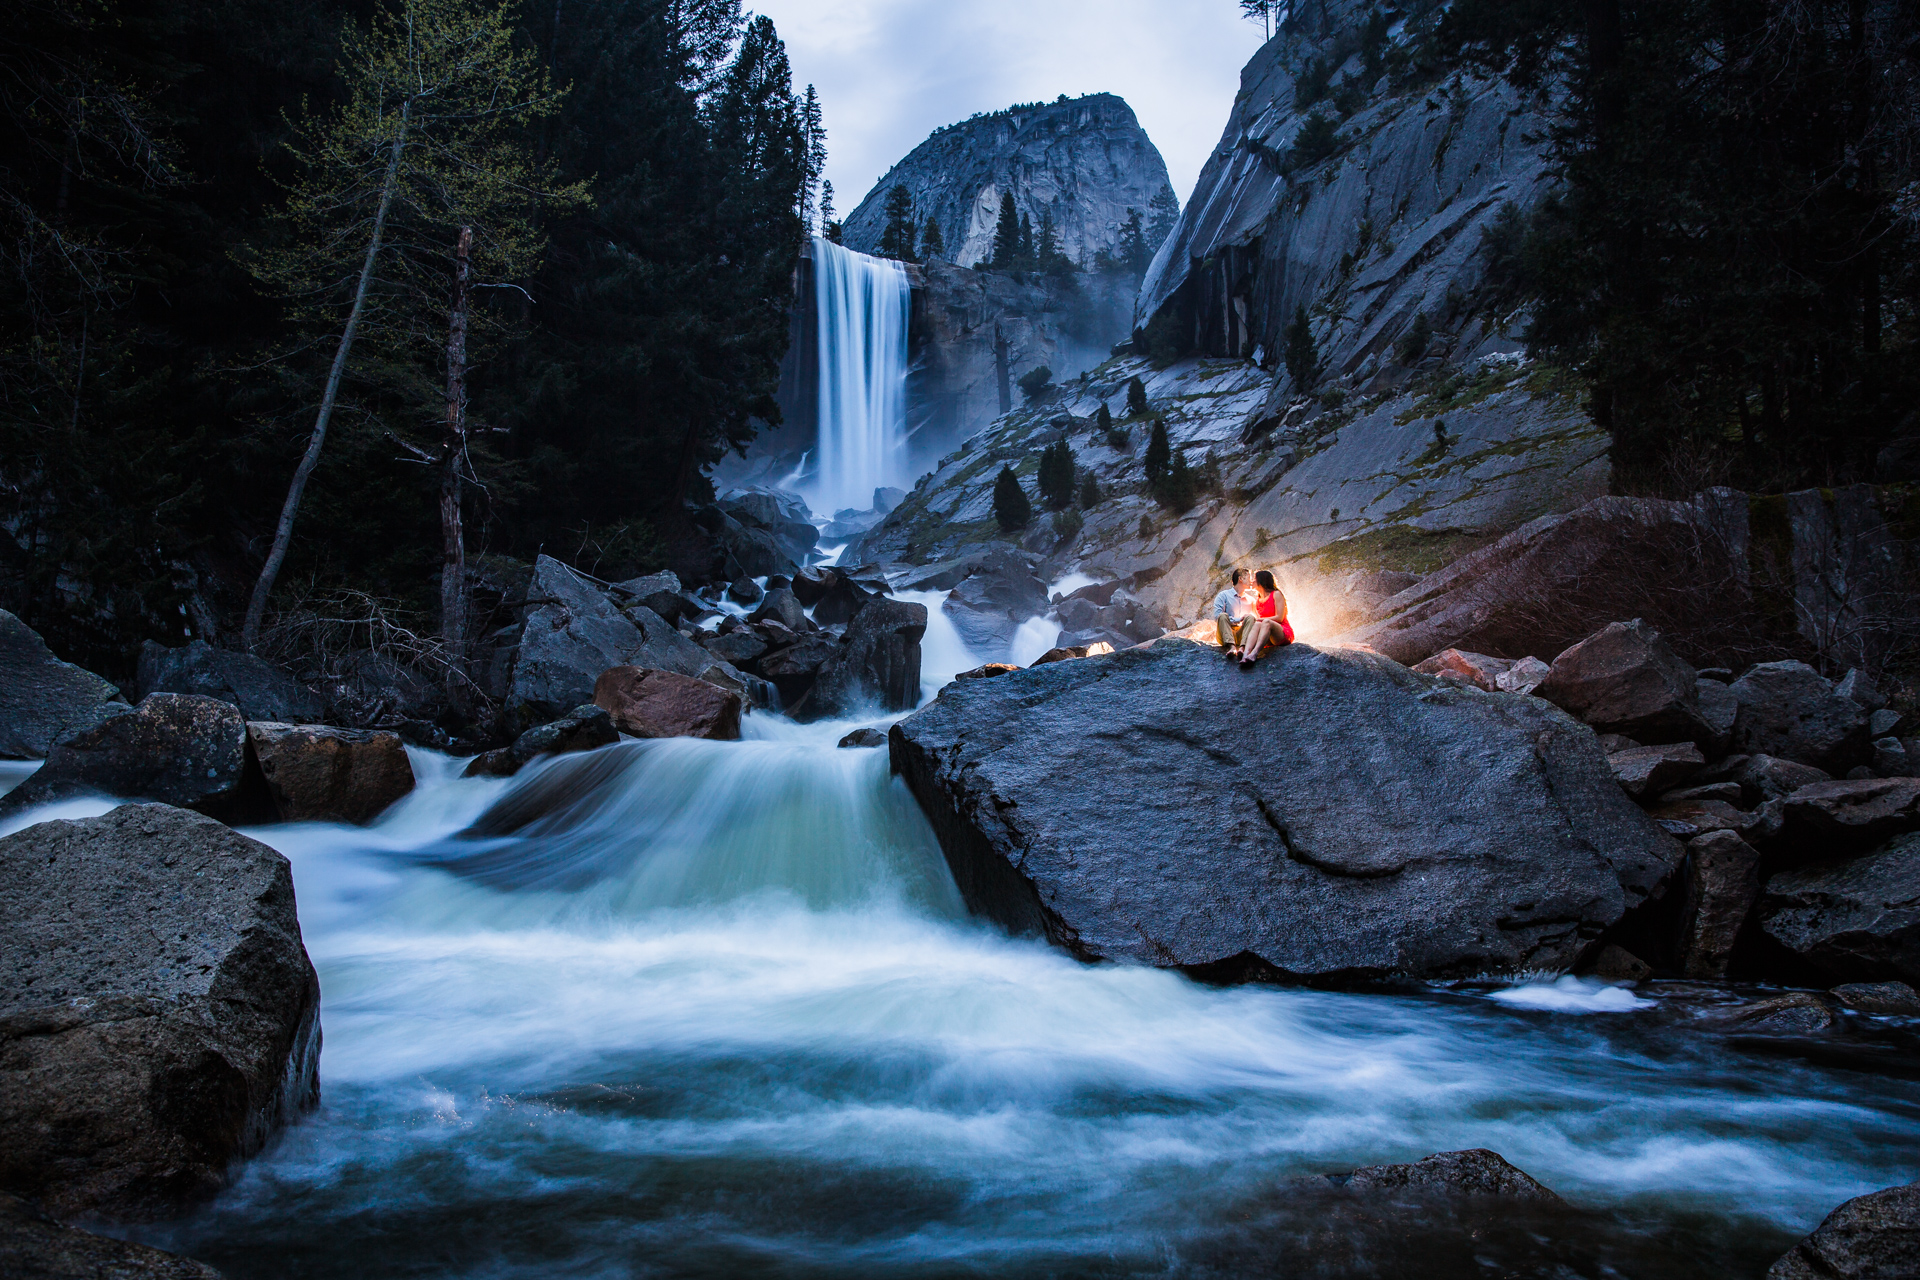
x=1723 y=879
x=179 y=749
x=261 y=690
x=1476 y=669
x=36 y=1246
x=1855 y=813
x=811 y=583
x=841 y=600
x=1689 y=818
x=737 y=647
x=783 y=607
x=1727 y=791
x=868 y=737
x=1895 y=998
x=1794 y=1014
x=1645 y=771
x=665 y=704
x=987 y=671
x=158 y=1013
x=676 y=608
x=650 y=584
x=1719 y=711
x=1861 y=773
x=581 y=729
x=1890 y=759
x=1523 y=676
x=1789 y=709
x=744 y=591
x=794 y=667
x=1419 y=829
x=1858 y=686
x=991 y=602
x=1870 y=1237
x=1766 y=777
x=1856 y=920
x=1719 y=675
x=1062 y=654
x=1477 y=1172
x=316 y=773
x=43 y=699
x=1612 y=742
x=1624 y=679
x=1617 y=964
x=878 y=663
x=1883 y=722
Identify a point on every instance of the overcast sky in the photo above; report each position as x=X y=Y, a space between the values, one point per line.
x=889 y=72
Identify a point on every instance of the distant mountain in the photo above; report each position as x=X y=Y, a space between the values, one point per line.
x=1086 y=160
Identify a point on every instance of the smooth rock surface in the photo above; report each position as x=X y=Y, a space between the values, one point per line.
x=1422 y=828
x=1853 y=921
x=1723 y=879
x=36 y=1246
x=665 y=704
x=1625 y=679
x=181 y=749
x=158 y=1014
x=317 y=773
x=1870 y=1237
x=1644 y=771
x=581 y=729
x=43 y=699
x=261 y=690
x=1790 y=710
x=1476 y=669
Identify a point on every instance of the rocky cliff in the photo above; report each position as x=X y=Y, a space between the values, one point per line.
x=1085 y=160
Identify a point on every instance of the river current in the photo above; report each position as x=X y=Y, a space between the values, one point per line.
x=685 y=1008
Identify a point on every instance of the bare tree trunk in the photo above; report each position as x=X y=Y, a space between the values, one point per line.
x=453 y=447
x=283 y=534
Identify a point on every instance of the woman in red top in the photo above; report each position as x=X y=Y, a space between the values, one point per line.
x=1268 y=627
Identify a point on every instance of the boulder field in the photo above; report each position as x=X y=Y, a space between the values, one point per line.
x=1324 y=815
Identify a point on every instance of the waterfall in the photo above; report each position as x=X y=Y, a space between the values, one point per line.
x=862 y=309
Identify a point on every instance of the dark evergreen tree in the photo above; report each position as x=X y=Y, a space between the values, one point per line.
x=932 y=244
x=896 y=236
x=1056 y=474
x=1103 y=418
x=1025 y=253
x=1162 y=214
x=1136 y=397
x=1159 y=459
x=1179 y=487
x=1033 y=383
x=828 y=218
x=1134 y=251
x=1047 y=255
x=1301 y=354
x=815 y=125
x=1010 y=505
x=1006 y=234
x=1089 y=491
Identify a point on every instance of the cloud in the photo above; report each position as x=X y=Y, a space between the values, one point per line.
x=890 y=72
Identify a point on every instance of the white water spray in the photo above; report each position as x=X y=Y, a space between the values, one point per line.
x=862 y=310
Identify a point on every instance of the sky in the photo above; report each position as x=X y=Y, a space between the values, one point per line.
x=890 y=72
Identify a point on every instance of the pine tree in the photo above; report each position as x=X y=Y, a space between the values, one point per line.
x=1301 y=355
x=1103 y=418
x=1162 y=214
x=815 y=126
x=1006 y=234
x=1025 y=252
x=827 y=218
x=932 y=244
x=1056 y=474
x=1047 y=247
x=1136 y=397
x=1179 y=488
x=1010 y=505
x=1116 y=437
x=1133 y=243
x=1089 y=491
x=1159 y=456
x=896 y=237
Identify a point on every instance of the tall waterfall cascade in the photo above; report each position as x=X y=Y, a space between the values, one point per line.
x=862 y=309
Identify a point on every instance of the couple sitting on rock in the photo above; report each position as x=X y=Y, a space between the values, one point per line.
x=1251 y=616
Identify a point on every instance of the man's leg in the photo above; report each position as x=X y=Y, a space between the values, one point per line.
x=1225 y=627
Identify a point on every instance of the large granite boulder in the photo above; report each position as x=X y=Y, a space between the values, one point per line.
x=877 y=664
x=1326 y=815
x=665 y=704
x=43 y=699
x=1856 y=920
x=1870 y=1237
x=1475 y=1172
x=317 y=773
x=34 y=1245
x=159 y=1018
x=176 y=748
x=261 y=690
x=573 y=632
x=581 y=729
x=1790 y=710
x=1000 y=592
x=1624 y=679
x=1853 y=813
x=795 y=666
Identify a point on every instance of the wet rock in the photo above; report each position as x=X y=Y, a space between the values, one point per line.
x=1895 y=998
x=783 y=607
x=1523 y=676
x=180 y=749
x=1723 y=879
x=649 y=584
x=1476 y=669
x=1794 y=1014
x=261 y=690
x=159 y=1016
x=744 y=591
x=1617 y=964
x=840 y=601
x=1788 y=709
x=581 y=729
x=737 y=647
x=988 y=670
x=1059 y=654
x=43 y=699
x=1625 y=679
x=1854 y=921
x=868 y=737
x=36 y=1246
x=1646 y=771
x=1420 y=829
x=1854 y=813
x=1727 y=791
x=316 y=773
x=877 y=663
x=1870 y=1237
x=665 y=704
x=1477 y=1172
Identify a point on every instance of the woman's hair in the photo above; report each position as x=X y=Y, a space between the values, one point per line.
x=1266 y=581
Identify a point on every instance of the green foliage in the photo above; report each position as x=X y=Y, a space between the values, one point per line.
x=1167 y=337
x=1301 y=354
x=1179 y=488
x=1006 y=234
x=1089 y=495
x=1010 y=505
x=1135 y=253
x=1136 y=397
x=1163 y=213
x=1317 y=139
x=1068 y=524
x=1159 y=459
x=932 y=244
x=1056 y=475
x=1033 y=383
x=1413 y=343
x=896 y=237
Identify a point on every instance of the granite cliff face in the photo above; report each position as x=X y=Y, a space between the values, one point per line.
x=1085 y=160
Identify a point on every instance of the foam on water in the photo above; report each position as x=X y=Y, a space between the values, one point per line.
x=1568 y=994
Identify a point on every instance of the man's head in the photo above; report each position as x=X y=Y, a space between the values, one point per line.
x=1242 y=578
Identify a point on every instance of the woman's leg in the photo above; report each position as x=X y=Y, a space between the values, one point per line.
x=1252 y=640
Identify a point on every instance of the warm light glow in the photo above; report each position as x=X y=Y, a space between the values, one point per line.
x=1313 y=603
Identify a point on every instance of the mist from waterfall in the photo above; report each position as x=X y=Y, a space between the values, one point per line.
x=862 y=310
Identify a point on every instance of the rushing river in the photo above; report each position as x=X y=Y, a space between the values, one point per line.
x=715 y=1009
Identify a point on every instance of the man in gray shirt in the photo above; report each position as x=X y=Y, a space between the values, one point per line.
x=1230 y=608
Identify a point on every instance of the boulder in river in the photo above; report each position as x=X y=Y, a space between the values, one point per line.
x=581 y=729
x=176 y=748
x=34 y=1245
x=158 y=1015
x=1723 y=879
x=1377 y=822
x=665 y=704
x=1852 y=921
x=877 y=663
x=1475 y=1172
x=1870 y=1237
x=317 y=773
x=261 y=690
x=43 y=699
